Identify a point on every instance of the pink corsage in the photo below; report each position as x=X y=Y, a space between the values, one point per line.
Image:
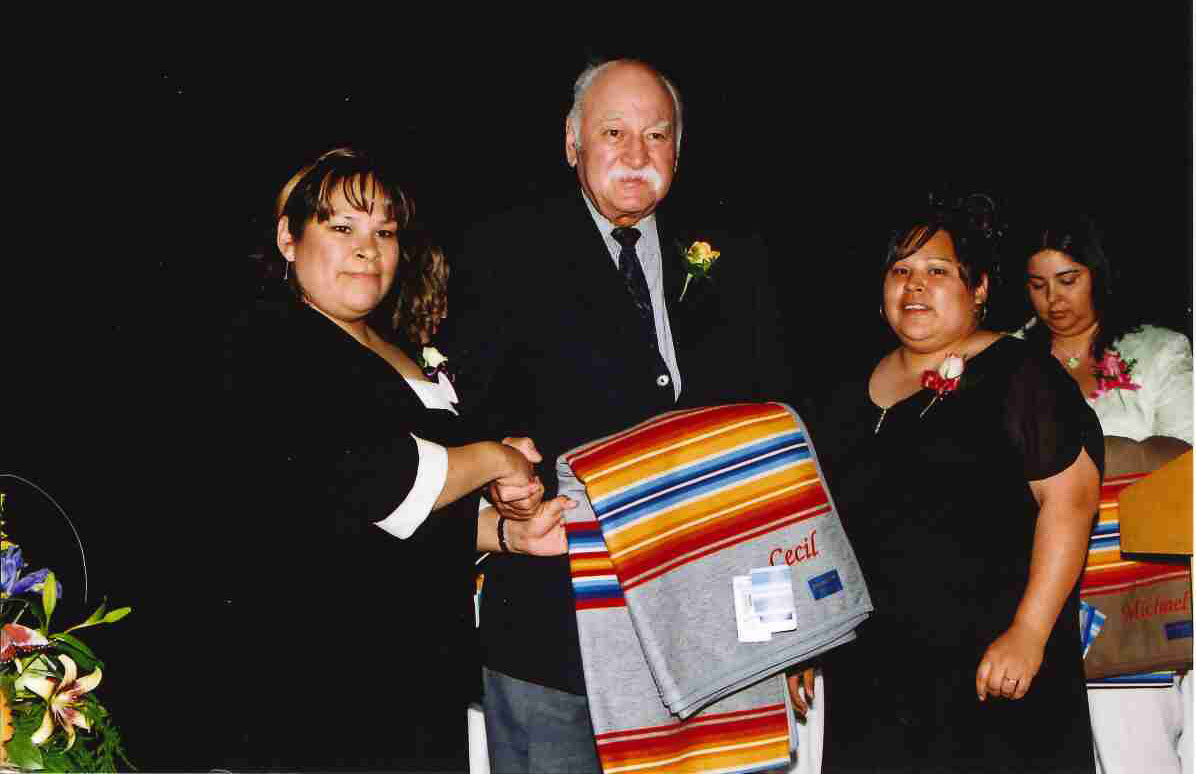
x=944 y=380
x=1113 y=373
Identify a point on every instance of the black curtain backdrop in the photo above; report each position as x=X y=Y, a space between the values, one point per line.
x=139 y=197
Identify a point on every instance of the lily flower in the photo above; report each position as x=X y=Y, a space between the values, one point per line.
x=12 y=582
x=61 y=697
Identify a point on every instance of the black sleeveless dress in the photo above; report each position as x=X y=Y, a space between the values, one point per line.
x=942 y=519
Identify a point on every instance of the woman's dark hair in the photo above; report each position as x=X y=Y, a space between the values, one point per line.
x=971 y=221
x=307 y=195
x=423 y=293
x=1076 y=236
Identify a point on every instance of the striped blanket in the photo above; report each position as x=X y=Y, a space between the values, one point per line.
x=1109 y=584
x=669 y=511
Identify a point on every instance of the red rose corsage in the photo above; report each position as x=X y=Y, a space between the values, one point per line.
x=944 y=380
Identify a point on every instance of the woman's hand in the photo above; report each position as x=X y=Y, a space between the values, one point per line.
x=515 y=497
x=1066 y=502
x=544 y=533
x=1009 y=665
x=801 y=690
x=474 y=465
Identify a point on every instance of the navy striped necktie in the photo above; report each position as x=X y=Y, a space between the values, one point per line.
x=633 y=276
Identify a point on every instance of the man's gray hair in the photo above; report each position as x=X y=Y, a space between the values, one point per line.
x=586 y=79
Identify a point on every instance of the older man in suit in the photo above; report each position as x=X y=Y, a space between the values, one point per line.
x=579 y=324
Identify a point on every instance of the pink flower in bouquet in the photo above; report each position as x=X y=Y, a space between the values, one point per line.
x=1113 y=373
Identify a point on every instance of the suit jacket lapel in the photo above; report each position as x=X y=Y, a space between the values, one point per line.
x=673 y=275
x=594 y=270
x=670 y=265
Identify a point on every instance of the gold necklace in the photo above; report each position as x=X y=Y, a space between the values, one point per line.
x=1072 y=362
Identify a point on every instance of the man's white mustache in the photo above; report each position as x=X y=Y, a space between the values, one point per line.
x=649 y=175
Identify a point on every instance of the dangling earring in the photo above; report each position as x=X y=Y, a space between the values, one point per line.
x=981 y=310
x=286 y=272
x=881 y=309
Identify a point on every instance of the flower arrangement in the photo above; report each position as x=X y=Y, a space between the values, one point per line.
x=432 y=361
x=1112 y=372
x=47 y=679
x=699 y=259
x=944 y=380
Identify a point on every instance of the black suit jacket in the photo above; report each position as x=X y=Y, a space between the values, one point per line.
x=548 y=345
x=319 y=440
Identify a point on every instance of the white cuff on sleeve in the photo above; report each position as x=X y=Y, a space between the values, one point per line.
x=429 y=483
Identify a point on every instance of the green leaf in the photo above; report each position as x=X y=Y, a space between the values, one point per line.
x=21 y=751
x=57 y=760
x=74 y=647
x=37 y=608
x=76 y=643
x=94 y=618
x=117 y=614
x=49 y=595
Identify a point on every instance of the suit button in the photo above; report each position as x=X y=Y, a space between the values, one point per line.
x=662 y=380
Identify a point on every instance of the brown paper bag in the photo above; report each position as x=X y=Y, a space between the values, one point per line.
x=1138 y=615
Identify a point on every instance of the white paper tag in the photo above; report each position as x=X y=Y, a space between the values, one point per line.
x=749 y=626
x=772 y=598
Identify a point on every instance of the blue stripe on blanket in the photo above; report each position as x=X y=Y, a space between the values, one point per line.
x=717 y=481
x=1142 y=680
x=616 y=500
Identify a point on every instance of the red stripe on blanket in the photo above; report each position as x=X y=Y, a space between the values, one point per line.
x=663 y=432
x=640 y=570
x=692 y=736
x=671 y=727
x=1137 y=574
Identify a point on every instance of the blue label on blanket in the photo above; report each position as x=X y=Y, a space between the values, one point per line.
x=1178 y=629
x=825 y=584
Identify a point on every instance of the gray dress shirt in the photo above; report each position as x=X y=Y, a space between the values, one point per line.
x=647 y=249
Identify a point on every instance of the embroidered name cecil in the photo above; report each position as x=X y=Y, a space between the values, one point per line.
x=806 y=549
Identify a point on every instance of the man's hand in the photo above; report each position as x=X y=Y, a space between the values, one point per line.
x=518 y=498
x=544 y=533
x=801 y=691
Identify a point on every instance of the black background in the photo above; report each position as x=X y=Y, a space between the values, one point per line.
x=139 y=195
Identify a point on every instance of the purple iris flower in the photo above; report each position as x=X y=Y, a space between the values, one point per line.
x=12 y=582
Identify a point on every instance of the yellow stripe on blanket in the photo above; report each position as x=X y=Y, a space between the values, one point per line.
x=725 y=504
x=650 y=462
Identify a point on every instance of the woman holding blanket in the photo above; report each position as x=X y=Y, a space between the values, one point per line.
x=966 y=469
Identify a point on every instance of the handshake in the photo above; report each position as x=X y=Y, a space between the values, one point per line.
x=525 y=523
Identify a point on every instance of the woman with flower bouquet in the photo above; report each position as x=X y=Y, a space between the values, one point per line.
x=965 y=466
x=353 y=518
x=1138 y=379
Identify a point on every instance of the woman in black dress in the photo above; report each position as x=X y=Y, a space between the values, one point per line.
x=350 y=564
x=966 y=469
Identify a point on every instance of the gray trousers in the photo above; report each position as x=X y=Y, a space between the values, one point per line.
x=532 y=729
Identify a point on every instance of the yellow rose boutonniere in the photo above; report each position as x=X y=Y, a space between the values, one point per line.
x=698 y=259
